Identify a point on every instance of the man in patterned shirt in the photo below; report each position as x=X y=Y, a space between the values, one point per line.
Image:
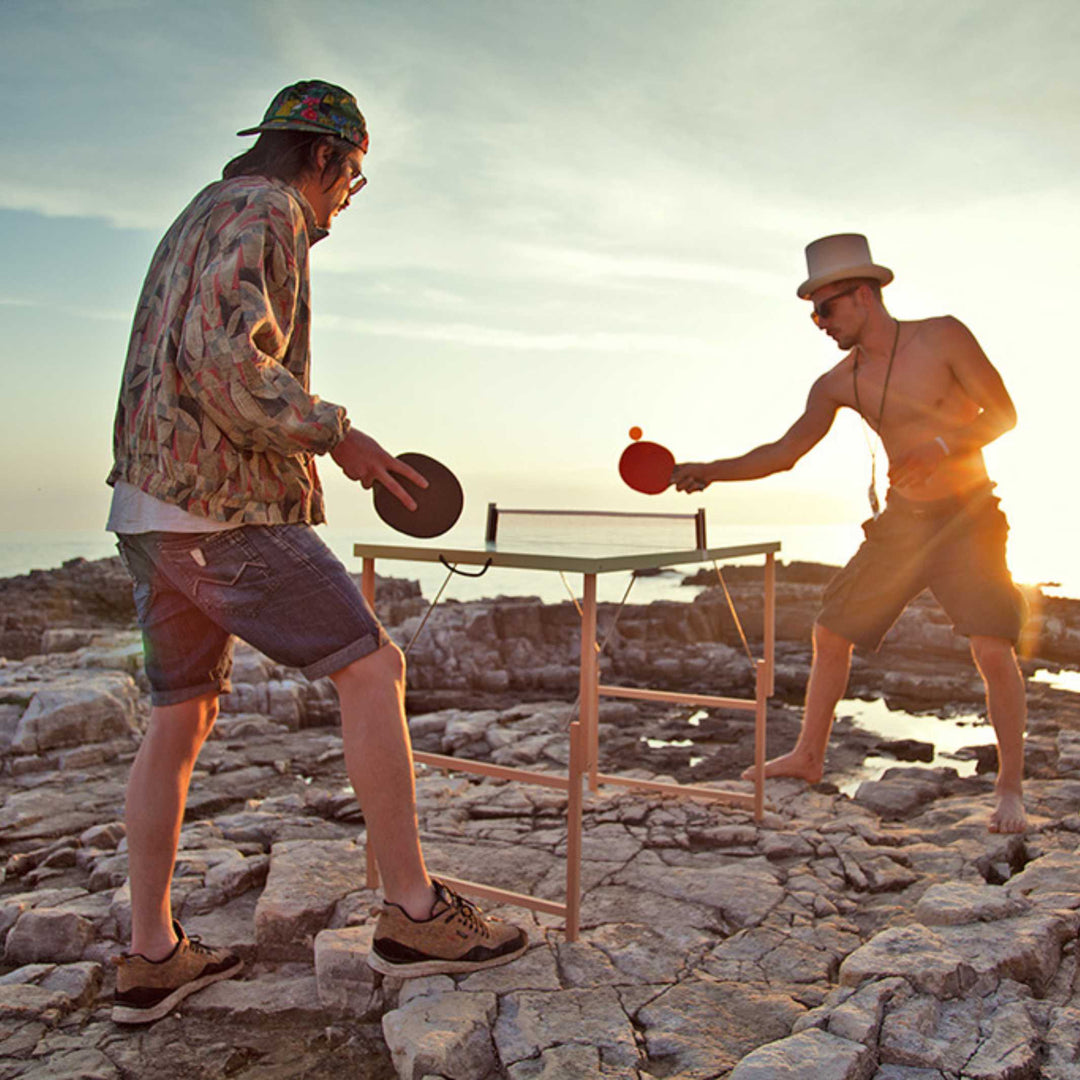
x=215 y=492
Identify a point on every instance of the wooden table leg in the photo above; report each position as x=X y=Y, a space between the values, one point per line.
x=573 y=831
x=367 y=587
x=770 y=621
x=589 y=680
x=761 y=701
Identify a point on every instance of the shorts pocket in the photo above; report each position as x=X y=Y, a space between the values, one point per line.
x=223 y=572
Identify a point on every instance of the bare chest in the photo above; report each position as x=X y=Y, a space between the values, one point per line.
x=919 y=388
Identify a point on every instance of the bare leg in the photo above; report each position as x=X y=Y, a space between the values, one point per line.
x=154 y=811
x=828 y=681
x=378 y=757
x=1006 y=702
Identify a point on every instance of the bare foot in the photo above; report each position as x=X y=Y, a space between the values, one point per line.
x=1009 y=817
x=796 y=764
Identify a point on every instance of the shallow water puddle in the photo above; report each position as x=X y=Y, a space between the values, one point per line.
x=947 y=735
x=1058 y=680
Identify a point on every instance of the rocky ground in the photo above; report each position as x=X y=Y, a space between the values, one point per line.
x=882 y=937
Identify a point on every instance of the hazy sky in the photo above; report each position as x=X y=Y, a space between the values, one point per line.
x=580 y=216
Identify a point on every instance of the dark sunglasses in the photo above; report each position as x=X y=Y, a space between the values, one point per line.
x=822 y=311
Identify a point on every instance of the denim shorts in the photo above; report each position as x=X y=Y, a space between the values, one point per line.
x=278 y=587
x=953 y=547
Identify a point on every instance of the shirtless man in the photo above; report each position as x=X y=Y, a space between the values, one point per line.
x=929 y=391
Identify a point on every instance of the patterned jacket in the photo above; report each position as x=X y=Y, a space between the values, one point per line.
x=215 y=415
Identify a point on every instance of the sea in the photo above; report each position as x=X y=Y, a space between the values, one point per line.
x=1049 y=562
x=1047 y=565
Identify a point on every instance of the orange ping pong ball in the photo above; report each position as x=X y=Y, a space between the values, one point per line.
x=635 y=432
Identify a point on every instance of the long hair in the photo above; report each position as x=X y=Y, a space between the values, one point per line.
x=287 y=155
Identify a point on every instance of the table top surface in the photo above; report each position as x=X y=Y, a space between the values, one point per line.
x=601 y=558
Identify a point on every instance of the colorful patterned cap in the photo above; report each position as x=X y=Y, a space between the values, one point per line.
x=315 y=106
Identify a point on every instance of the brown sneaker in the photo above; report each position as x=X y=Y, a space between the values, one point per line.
x=148 y=989
x=454 y=938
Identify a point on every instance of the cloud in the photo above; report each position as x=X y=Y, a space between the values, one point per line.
x=487 y=337
x=98 y=314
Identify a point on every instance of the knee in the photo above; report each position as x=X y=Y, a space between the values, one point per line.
x=994 y=657
x=187 y=724
x=828 y=645
x=386 y=665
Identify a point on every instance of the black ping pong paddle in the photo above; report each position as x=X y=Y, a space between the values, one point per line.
x=438 y=506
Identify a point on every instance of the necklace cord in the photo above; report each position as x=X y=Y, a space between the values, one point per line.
x=875 y=506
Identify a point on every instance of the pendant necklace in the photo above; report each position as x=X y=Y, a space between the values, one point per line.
x=875 y=504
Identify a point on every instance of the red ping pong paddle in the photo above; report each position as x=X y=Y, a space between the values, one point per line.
x=438 y=506
x=646 y=466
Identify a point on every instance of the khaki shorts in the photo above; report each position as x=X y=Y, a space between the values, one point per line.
x=954 y=547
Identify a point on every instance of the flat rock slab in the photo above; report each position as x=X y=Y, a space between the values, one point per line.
x=915 y=952
x=811 y=1053
x=532 y=1022
x=307 y=879
x=90 y=708
x=955 y=903
x=699 y=1029
x=442 y=1035
x=744 y=894
x=346 y=981
x=1026 y=949
x=269 y=998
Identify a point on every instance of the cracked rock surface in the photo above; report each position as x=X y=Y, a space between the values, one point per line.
x=867 y=937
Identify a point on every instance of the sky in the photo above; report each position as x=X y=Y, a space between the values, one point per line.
x=580 y=216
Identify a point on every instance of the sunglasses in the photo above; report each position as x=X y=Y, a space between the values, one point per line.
x=357 y=184
x=822 y=311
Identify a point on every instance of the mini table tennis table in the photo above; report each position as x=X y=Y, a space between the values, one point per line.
x=584 y=748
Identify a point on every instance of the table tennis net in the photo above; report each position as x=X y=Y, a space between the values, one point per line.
x=596 y=530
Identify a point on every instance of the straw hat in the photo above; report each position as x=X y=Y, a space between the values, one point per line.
x=834 y=258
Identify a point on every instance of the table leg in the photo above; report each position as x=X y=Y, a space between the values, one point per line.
x=589 y=680
x=367 y=587
x=770 y=621
x=761 y=701
x=573 y=830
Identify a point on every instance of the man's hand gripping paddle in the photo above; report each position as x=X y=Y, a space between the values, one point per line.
x=438 y=506
x=646 y=466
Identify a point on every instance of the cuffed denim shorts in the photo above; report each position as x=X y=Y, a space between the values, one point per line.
x=277 y=587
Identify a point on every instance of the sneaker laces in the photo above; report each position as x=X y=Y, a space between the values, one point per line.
x=463 y=909
x=195 y=944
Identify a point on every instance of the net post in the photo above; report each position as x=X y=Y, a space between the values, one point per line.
x=492 y=524
x=699 y=528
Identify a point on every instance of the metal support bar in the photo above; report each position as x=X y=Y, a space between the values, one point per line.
x=483 y=768
x=693 y=791
x=703 y=700
x=490 y=892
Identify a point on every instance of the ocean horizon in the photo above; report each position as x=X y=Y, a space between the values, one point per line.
x=1052 y=568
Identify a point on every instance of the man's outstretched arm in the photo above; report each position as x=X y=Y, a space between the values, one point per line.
x=773 y=457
